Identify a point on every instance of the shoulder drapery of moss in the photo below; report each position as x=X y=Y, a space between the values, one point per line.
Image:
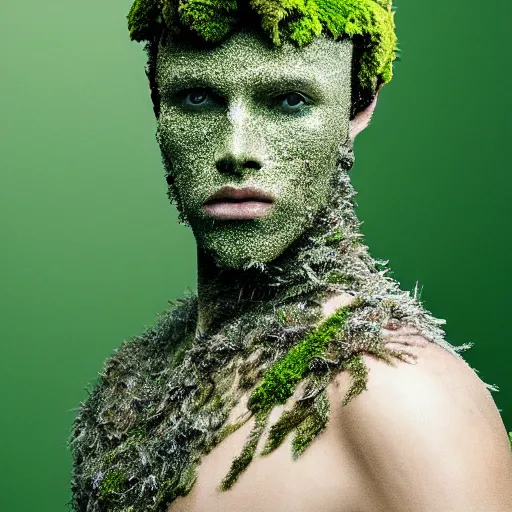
x=163 y=399
x=369 y=23
x=280 y=380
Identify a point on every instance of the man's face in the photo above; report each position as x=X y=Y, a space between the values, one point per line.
x=248 y=114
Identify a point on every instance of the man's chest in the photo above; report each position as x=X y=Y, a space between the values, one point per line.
x=326 y=477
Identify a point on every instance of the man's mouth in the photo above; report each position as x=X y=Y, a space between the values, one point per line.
x=231 y=203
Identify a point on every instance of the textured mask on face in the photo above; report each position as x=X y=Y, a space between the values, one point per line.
x=246 y=113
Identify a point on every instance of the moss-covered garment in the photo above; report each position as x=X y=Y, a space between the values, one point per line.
x=163 y=398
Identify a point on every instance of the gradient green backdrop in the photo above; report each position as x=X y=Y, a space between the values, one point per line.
x=91 y=250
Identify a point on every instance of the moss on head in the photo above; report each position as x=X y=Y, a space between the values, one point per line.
x=368 y=23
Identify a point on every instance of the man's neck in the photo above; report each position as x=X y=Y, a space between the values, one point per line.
x=322 y=261
x=224 y=294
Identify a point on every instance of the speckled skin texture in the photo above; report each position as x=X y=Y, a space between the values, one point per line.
x=246 y=120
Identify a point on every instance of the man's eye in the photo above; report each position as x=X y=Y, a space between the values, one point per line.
x=292 y=102
x=196 y=97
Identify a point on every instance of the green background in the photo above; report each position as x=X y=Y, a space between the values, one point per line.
x=91 y=250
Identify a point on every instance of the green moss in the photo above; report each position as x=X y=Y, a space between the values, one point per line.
x=187 y=479
x=286 y=423
x=227 y=431
x=281 y=316
x=510 y=438
x=179 y=485
x=241 y=462
x=181 y=350
x=113 y=483
x=334 y=239
x=312 y=426
x=307 y=419
x=142 y=18
x=164 y=492
x=135 y=436
x=280 y=380
x=109 y=458
x=211 y=19
x=369 y=23
x=179 y=356
x=337 y=277
x=203 y=394
x=216 y=403
x=359 y=373
x=136 y=433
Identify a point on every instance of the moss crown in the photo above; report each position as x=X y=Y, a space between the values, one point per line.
x=368 y=23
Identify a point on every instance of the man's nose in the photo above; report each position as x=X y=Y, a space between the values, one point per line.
x=242 y=151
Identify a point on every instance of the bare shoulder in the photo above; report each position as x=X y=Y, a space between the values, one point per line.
x=429 y=436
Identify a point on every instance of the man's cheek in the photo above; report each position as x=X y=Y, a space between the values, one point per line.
x=193 y=169
x=191 y=192
x=311 y=183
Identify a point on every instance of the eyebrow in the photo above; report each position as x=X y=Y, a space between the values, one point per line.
x=183 y=80
x=290 y=81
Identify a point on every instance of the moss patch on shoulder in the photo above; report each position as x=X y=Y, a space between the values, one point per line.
x=309 y=415
x=312 y=426
x=280 y=380
x=241 y=462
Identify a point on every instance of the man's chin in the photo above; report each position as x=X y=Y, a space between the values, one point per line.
x=240 y=246
x=239 y=254
x=238 y=260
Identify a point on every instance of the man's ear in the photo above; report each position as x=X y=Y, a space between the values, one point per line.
x=363 y=118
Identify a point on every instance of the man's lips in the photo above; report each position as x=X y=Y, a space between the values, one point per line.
x=231 y=203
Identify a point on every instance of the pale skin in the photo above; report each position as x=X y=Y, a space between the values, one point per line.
x=423 y=437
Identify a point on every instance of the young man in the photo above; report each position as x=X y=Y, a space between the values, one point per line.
x=301 y=378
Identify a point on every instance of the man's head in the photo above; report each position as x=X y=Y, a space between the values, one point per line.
x=247 y=112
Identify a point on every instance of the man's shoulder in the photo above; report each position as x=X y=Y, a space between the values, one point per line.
x=429 y=428
x=438 y=377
